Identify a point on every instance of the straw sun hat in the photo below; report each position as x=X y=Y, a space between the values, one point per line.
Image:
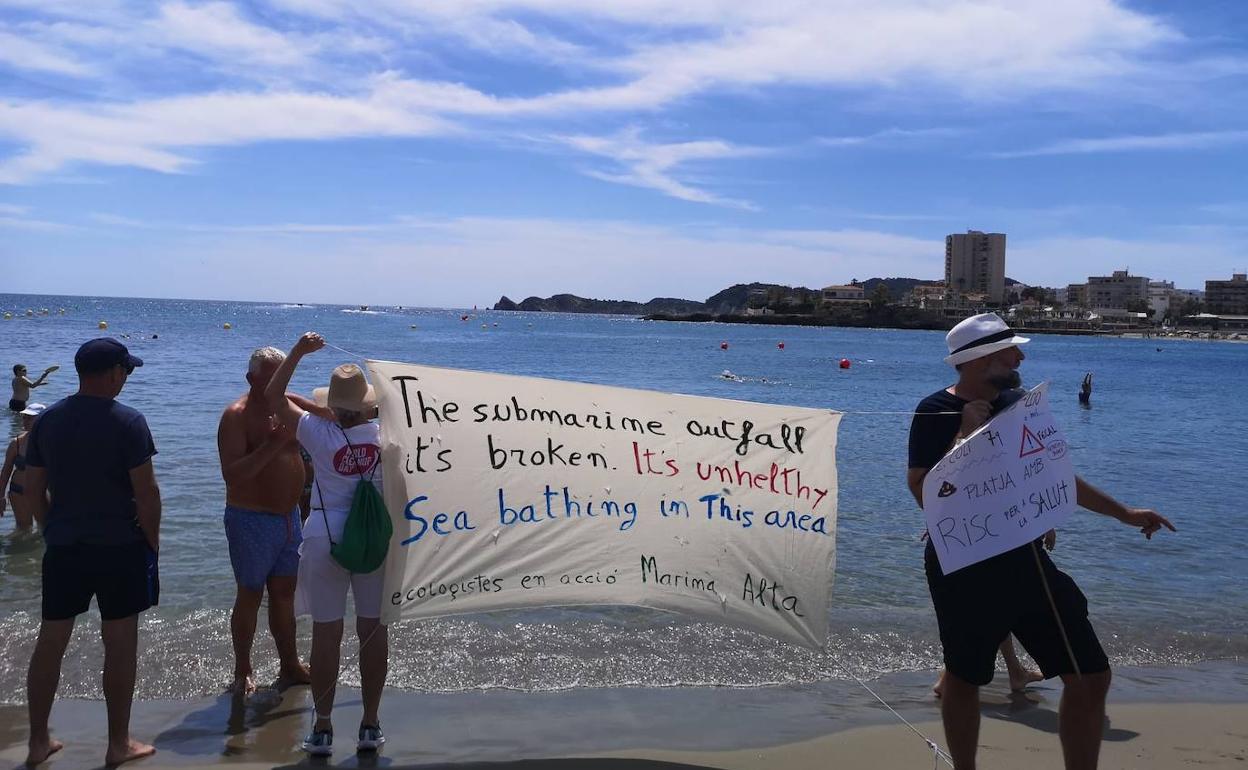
x=348 y=390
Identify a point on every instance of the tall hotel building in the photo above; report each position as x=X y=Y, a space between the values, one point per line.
x=975 y=264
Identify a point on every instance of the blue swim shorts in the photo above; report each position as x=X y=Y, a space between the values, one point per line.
x=262 y=545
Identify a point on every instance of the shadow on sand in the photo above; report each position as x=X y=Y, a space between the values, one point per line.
x=1027 y=708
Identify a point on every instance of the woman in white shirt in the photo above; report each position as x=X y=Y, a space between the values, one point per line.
x=344 y=451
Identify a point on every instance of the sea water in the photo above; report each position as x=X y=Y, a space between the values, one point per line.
x=1166 y=430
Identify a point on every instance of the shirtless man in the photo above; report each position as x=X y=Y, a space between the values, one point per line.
x=264 y=480
x=22 y=385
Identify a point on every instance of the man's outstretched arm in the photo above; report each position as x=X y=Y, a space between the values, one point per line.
x=275 y=392
x=1149 y=521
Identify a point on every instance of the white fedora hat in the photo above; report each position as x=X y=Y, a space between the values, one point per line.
x=348 y=390
x=978 y=336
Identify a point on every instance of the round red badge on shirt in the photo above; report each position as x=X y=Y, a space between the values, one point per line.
x=351 y=461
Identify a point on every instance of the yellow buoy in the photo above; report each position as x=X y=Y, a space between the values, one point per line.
x=103 y=324
x=226 y=326
x=8 y=316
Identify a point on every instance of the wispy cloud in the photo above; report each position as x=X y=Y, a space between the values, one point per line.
x=889 y=137
x=233 y=73
x=218 y=31
x=274 y=228
x=1200 y=140
x=154 y=134
x=653 y=165
x=21 y=53
x=15 y=217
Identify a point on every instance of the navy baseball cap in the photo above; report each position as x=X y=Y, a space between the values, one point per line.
x=102 y=354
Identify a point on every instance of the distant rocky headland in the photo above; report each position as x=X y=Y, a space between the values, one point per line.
x=764 y=303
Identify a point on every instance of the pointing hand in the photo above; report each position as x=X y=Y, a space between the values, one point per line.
x=1147 y=520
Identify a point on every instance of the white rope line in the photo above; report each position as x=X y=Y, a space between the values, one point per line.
x=348 y=352
x=937 y=752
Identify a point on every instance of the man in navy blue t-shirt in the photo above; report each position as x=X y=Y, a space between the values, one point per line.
x=102 y=529
x=1019 y=592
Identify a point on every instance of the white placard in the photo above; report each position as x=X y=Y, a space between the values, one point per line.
x=1008 y=483
x=510 y=492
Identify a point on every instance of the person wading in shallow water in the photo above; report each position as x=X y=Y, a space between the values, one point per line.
x=345 y=451
x=264 y=479
x=1085 y=390
x=13 y=475
x=102 y=529
x=22 y=385
x=1017 y=592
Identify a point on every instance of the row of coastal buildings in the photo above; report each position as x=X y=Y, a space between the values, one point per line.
x=975 y=281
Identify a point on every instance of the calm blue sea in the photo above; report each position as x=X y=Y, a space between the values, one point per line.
x=1167 y=429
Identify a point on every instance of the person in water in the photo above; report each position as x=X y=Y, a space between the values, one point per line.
x=22 y=385
x=345 y=451
x=13 y=474
x=264 y=479
x=101 y=526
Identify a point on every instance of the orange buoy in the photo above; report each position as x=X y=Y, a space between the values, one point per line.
x=781 y=346
x=844 y=363
x=723 y=346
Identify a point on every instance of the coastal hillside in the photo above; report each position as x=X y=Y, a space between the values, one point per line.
x=733 y=300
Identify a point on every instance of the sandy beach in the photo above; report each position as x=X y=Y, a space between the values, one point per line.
x=815 y=726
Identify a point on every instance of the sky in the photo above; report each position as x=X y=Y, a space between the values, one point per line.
x=447 y=152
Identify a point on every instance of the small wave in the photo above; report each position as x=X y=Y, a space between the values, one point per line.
x=363 y=312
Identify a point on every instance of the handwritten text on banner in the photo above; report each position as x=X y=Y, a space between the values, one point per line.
x=511 y=492
x=1008 y=483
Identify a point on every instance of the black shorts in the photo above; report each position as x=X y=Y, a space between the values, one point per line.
x=122 y=578
x=978 y=606
x=15 y=405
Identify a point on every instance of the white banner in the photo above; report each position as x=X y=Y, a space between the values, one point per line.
x=1008 y=483
x=510 y=492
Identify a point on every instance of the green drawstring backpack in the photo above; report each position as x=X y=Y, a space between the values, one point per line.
x=366 y=536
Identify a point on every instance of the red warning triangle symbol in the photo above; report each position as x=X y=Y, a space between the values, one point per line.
x=1031 y=444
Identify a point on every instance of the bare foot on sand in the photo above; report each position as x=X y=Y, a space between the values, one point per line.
x=39 y=751
x=1020 y=679
x=243 y=684
x=127 y=752
x=290 y=677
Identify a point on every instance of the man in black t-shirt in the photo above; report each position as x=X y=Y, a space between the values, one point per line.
x=102 y=529
x=1016 y=592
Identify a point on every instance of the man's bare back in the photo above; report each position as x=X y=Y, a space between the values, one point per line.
x=272 y=482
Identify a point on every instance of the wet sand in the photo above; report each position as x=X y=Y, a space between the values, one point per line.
x=811 y=726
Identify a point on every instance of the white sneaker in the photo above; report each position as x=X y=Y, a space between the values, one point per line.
x=319 y=743
x=371 y=738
